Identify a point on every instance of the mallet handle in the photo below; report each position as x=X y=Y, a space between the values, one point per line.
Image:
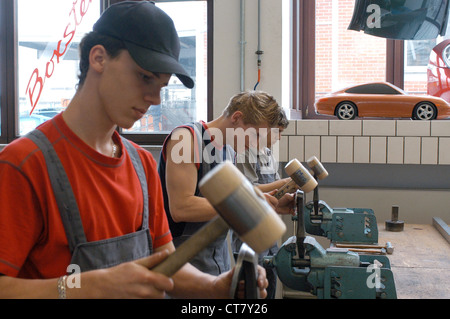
x=289 y=187
x=356 y=246
x=191 y=247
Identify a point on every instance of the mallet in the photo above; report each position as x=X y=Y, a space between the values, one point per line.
x=319 y=173
x=300 y=178
x=241 y=207
x=317 y=167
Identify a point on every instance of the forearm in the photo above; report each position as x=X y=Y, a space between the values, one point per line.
x=191 y=209
x=15 y=288
x=267 y=188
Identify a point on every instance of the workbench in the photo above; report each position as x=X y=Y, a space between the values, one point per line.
x=420 y=262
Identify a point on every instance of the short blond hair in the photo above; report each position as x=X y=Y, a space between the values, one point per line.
x=257 y=107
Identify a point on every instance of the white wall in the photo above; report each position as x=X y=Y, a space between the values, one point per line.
x=227 y=66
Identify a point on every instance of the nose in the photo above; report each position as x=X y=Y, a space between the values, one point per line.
x=153 y=96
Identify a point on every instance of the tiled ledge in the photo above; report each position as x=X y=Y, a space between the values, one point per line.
x=368 y=141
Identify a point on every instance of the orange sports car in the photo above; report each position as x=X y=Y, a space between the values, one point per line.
x=381 y=99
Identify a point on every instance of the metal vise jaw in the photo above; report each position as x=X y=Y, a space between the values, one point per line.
x=341 y=225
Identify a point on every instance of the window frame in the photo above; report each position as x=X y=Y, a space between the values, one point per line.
x=303 y=60
x=9 y=68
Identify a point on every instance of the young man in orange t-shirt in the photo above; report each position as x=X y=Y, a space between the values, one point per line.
x=125 y=61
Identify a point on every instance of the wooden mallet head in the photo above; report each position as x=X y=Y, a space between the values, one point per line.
x=300 y=175
x=242 y=206
x=316 y=166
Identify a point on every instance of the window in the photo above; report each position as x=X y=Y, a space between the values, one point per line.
x=327 y=56
x=49 y=32
x=180 y=105
x=344 y=58
x=39 y=64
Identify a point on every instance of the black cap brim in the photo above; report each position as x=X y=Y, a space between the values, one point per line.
x=154 y=61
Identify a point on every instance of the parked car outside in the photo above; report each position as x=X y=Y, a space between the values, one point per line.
x=381 y=99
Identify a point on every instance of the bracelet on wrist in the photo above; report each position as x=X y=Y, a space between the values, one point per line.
x=62 y=287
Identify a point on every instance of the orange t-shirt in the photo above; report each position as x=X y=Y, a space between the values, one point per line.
x=33 y=242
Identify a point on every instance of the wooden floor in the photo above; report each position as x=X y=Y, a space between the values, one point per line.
x=420 y=262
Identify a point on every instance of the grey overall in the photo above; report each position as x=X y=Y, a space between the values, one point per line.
x=103 y=253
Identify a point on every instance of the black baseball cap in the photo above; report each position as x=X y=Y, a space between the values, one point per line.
x=149 y=35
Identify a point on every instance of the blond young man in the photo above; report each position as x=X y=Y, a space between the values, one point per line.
x=192 y=150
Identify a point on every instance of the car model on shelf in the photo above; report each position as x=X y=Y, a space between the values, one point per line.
x=438 y=71
x=381 y=99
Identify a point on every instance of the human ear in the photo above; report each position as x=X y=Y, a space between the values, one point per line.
x=97 y=57
x=236 y=117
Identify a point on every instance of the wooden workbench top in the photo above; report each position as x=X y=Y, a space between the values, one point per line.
x=420 y=262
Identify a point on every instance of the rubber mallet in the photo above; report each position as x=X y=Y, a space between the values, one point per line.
x=241 y=206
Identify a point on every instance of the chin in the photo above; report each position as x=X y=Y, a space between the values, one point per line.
x=126 y=125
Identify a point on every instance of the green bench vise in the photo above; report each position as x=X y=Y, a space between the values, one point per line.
x=333 y=273
x=341 y=225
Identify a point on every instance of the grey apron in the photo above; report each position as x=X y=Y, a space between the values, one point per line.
x=103 y=253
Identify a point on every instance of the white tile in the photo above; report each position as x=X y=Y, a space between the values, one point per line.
x=328 y=149
x=345 y=149
x=378 y=146
x=429 y=150
x=361 y=149
x=413 y=128
x=395 y=150
x=349 y=128
x=297 y=148
x=312 y=127
x=312 y=146
x=280 y=149
x=444 y=150
x=412 y=150
x=291 y=129
x=440 y=128
x=379 y=127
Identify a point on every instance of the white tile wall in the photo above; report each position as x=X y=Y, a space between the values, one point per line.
x=296 y=147
x=328 y=149
x=361 y=149
x=353 y=128
x=413 y=128
x=444 y=150
x=312 y=146
x=429 y=152
x=379 y=128
x=378 y=146
x=412 y=150
x=345 y=149
x=395 y=149
x=368 y=141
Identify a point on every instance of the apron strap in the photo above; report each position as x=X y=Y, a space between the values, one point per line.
x=62 y=190
x=139 y=168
